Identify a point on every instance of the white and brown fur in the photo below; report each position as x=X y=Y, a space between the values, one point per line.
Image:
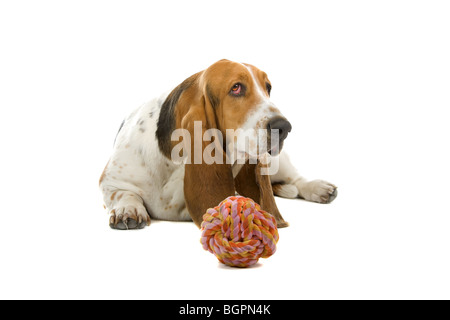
x=140 y=182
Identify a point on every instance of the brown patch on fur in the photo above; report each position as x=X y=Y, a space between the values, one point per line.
x=113 y=195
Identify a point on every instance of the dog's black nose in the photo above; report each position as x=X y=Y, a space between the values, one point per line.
x=282 y=125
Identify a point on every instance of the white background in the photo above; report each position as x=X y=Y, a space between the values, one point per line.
x=364 y=83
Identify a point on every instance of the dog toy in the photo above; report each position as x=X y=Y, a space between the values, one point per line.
x=238 y=232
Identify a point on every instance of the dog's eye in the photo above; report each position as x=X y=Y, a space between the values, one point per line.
x=269 y=88
x=237 y=89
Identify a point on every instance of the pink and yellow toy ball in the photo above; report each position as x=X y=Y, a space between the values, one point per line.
x=239 y=232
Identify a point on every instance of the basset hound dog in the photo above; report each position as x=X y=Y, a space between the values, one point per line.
x=141 y=181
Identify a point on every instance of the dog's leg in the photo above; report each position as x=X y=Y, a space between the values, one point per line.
x=126 y=209
x=288 y=183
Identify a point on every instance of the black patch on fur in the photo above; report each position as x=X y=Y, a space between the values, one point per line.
x=166 y=120
x=121 y=125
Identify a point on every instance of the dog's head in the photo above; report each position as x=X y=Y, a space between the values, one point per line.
x=231 y=98
x=240 y=95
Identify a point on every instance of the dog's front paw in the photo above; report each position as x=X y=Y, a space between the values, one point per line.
x=129 y=217
x=318 y=191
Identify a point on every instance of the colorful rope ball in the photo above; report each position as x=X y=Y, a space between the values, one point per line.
x=238 y=232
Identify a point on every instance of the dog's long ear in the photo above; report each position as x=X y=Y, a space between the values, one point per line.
x=251 y=183
x=167 y=121
x=208 y=179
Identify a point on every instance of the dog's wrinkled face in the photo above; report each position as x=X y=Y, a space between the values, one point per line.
x=240 y=96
